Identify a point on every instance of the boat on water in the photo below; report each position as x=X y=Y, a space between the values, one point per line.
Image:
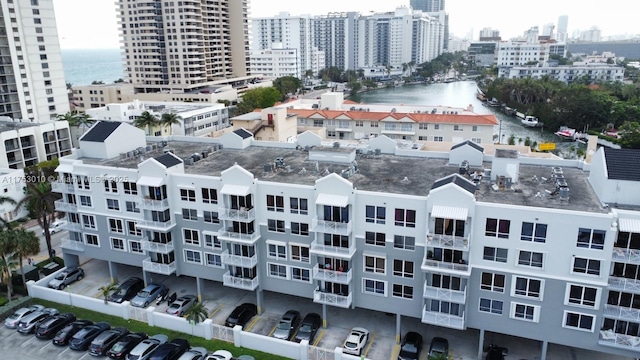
x=508 y=111
x=493 y=102
x=531 y=121
x=566 y=133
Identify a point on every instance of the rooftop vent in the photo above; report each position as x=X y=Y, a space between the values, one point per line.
x=188 y=161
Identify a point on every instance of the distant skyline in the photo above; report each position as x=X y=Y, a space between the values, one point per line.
x=93 y=24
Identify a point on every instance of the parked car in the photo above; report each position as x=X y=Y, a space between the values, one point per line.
x=29 y=323
x=181 y=305
x=66 y=277
x=220 y=355
x=12 y=321
x=309 y=327
x=146 y=347
x=496 y=352
x=287 y=325
x=121 y=348
x=56 y=226
x=170 y=351
x=63 y=336
x=103 y=342
x=356 y=341
x=127 y=290
x=411 y=346
x=50 y=326
x=195 y=353
x=241 y=315
x=147 y=295
x=439 y=346
x=83 y=338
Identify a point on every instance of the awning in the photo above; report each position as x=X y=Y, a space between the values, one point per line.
x=238 y=190
x=150 y=181
x=630 y=225
x=449 y=212
x=65 y=168
x=332 y=200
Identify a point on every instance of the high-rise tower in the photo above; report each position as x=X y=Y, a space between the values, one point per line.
x=428 y=5
x=563 y=28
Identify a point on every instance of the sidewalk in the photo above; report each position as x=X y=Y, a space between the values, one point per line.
x=43 y=254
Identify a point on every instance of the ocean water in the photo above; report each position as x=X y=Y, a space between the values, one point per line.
x=83 y=66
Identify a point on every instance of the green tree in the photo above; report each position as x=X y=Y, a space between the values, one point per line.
x=331 y=73
x=168 y=120
x=355 y=87
x=630 y=135
x=106 y=290
x=120 y=80
x=196 y=314
x=287 y=85
x=39 y=200
x=7 y=260
x=97 y=82
x=69 y=85
x=146 y=120
x=27 y=244
x=258 y=98
x=69 y=117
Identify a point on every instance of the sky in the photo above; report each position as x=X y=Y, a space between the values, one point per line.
x=92 y=23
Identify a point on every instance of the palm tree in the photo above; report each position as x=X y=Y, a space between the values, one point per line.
x=146 y=120
x=84 y=121
x=196 y=314
x=5 y=200
x=27 y=243
x=169 y=119
x=106 y=290
x=69 y=117
x=7 y=260
x=39 y=199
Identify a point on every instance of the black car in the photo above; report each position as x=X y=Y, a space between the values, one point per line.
x=48 y=328
x=127 y=290
x=241 y=315
x=63 y=336
x=439 y=346
x=103 y=342
x=171 y=350
x=410 y=346
x=125 y=344
x=309 y=327
x=83 y=338
x=496 y=352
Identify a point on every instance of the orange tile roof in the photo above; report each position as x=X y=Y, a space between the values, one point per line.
x=350 y=102
x=475 y=119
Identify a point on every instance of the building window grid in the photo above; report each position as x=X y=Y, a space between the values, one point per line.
x=530 y=258
x=213 y=260
x=277 y=250
x=404 y=242
x=528 y=287
x=375 y=214
x=209 y=196
x=275 y=225
x=497 y=228
x=403 y=268
x=524 y=312
x=405 y=217
x=591 y=238
x=277 y=271
x=490 y=306
x=533 y=232
x=298 y=206
x=191 y=237
x=374 y=238
x=300 y=253
x=135 y=247
x=211 y=217
x=188 y=195
x=113 y=204
x=375 y=264
x=115 y=226
x=301 y=229
x=579 y=321
x=374 y=287
x=92 y=240
x=190 y=214
x=402 y=291
x=492 y=282
x=579 y=295
x=118 y=244
x=193 y=256
x=275 y=203
x=495 y=254
x=586 y=266
x=300 y=274
x=212 y=241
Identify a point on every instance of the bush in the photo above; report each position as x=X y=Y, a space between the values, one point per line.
x=3 y=300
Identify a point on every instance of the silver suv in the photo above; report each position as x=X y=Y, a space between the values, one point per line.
x=66 y=277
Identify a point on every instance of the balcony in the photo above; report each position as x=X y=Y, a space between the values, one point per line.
x=448 y=242
x=340 y=277
x=229 y=235
x=70 y=244
x=152 y=204
x=318 y=248
x=446 y=267
x=239 y=260
x=156 y=225
x=626 y=255
x=624 y=284
x=443 y=319
x=156 y=247
x=626 y=342
x=620 y=312
x=322 y=297
x=239 y=282
x=455 y=296
x=61 y=187
x=158 y=268
x=61 y=205
x=71 y=226
x=242 y=215
x=331 y=227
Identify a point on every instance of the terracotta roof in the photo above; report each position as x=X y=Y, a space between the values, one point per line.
x=350 y=102
x=419 y=118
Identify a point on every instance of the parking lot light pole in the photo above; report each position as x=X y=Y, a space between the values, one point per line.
x=324 y=315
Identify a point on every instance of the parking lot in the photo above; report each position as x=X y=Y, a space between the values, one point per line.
x=16 y=346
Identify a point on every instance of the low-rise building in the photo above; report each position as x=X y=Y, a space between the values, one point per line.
x=593 y=72
x=25 y=144
x=12 y=184
x=280 y=61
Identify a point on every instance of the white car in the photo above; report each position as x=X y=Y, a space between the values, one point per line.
x=356 y=341
x=195 y=353
x=220 y=355
x=12 y=321
x=56 y=226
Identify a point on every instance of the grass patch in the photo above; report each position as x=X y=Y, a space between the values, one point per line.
x=137 y=326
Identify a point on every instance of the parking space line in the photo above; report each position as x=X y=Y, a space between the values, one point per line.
x=86 y=354
x=28 y=342
x=394 y=353
x=319 y=337
x=252 y=323
x=373 y=337
x=216 y=311
x=272 y=331
x=45 y=346
x=450 y=354
x=62 y=353
x=294 y=334
x=425 y=353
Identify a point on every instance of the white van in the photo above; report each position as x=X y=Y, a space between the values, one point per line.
x=56 y=226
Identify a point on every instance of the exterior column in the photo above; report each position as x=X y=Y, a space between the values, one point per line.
x=480 y=343
x=543 y=354
x=259 y=299
x=113 y=271
x=398 y=332
x=146 y=277
x=199 y=288
x=324 y=315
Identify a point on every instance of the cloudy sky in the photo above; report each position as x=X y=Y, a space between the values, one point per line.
x=92 y=23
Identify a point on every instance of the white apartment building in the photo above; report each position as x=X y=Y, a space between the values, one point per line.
x=280 y=61
x=592 y=35
x=595 y=72
x=25 y=144
x=12 y=183
x=32 y=83
x=517 y=53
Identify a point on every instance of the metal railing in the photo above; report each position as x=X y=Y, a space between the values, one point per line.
x=158 y=247
x=239 y=282
x=71 y=226
x=242 y=215
x=626 y=255
x=456 y=296
x=239 y=260
x=448 y=241
x=443 y=319
x=318 y=247
x=159 y=268
x=331 y=227
x=430 y=264
x=72 y=245
x=624 y=284
x=230 y=235
x=62 y=187
x=328 y=298
x=155 y=204
x=341 y=277
x=609 y=338
x=622 y=312
x=156 y=225
x=63 y=206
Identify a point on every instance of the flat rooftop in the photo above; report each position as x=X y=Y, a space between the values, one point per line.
x=379 y=173
x=6 y=125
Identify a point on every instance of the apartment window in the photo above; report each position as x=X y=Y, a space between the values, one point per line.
x=83 y=182
x=132 y=206
x=298 y=206
x=530 y=258
x=528 y=287
x=213 y=260
x=110 y=186
x=92 y=239
x=374 y=287
x=406 y=218
x=374 y=264
x=211 y=217
x=300 y=253
x=193 y=257
x=403 y=268
x=423 y=126
x=89 y=222
x=533 y=232
x=374 y=238
x=85 y=200
x=275 y=225
x=359 y=123
x=117 y=244
x=586 y=296
x=457 y=128
x=402 y=291
x=627 y=240
x=404 y=242
x=373 y=124
x=445 y=282
x=191 y=237
x=300 y=274
x=492 y=282
x=130 y=188
x=135 y=247
x=277 y=270
x=277 y=250
x=579 y=321
x=437 y=127
x=375 y=214
x=491 y=306
x=588 y=238
x=34 y=2
x=525 y=312
x=318 y=123
x=275 y=203
x=187 y=195
x=132 y=229
x=209 y=196
x=113 y=204
x=300 y=229
x=190 y=214
x=586 y=266
x=497 y=228
x=495 y=254
x=212 y=241
x=115 y=226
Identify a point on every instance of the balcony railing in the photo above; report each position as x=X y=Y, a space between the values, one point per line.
x=331 y=227
x=327 y=298
x=454 y=268
x=155 y=204
x=242 y=215
x=62 y=187
x=239 y=260
x=72 y=245
x=159 y=268
x=239 y=282
x=340 y=277
x=156 y=247
x=71 y=226
x=609 y=338
x=455 y=296
x=624 y=284
x=626 y=255
x=230 y=235
x=156 y=225
x=443 y=319
x=60 y=205
x=448 y=241
x=622 y=312
x=318 y=247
